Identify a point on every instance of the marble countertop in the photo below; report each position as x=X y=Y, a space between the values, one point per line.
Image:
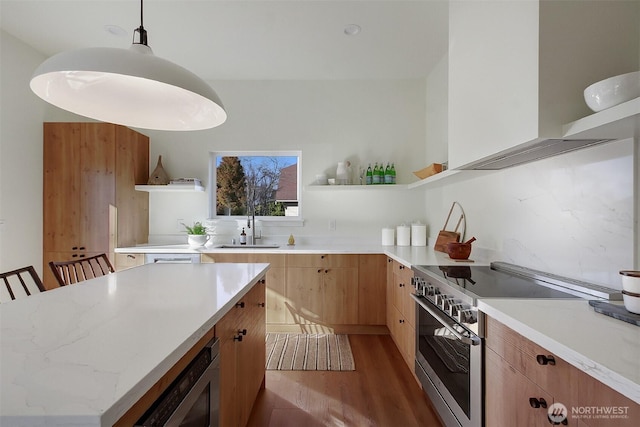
x=408 y=255
x=84 y=354
x=605 y=348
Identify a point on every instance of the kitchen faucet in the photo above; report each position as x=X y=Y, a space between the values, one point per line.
x=252 y=220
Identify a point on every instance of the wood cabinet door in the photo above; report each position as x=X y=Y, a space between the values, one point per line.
x=304 y=295
x=340 y=296
x=507 y=394
x=131 y=168
x=61 y=187
x=226 y=330
x=97 y=184
x=372 y=305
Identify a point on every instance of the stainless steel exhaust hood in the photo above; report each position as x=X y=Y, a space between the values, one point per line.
x=532 y=151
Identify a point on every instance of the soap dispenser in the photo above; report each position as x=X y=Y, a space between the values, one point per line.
x=243 y=237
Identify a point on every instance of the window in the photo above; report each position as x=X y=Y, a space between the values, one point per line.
x=266 y=184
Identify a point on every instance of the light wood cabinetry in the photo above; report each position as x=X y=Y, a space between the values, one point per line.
x=322 y=289
x=372 y=303
x=519 y=373
x=124 y=261
x=506 y=91
x=90 y=205
x=401 y=311
x=275 y=290
x=316 y=293
x=242 y=356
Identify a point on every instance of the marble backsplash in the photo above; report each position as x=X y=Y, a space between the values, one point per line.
x=571 y=215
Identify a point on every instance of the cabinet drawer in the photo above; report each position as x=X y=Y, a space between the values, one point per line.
x=323 y=260
x=544 y=368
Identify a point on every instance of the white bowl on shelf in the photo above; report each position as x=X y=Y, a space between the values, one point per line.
x=613 y=91
x=631 y=302
x=630 y=281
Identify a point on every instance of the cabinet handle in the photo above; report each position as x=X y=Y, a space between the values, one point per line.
x=82 y=248
x=74 y=248
x=131 y=256
x=263 y=281
x=240 y=304
x=401 y=321
x=545 y=360
x=82 y=255
x=537 y=403
x=237 y=338
x=260 y=304
x=326 y=271
x=242 y=331
x=321 y=256
x=389 y=260
x=320 y=270
x=401 y=285
x=402 y=267
x=74 y=256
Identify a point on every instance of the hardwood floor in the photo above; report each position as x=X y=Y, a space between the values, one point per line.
x=380 y=392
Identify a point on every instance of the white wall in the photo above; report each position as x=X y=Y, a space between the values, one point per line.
x=21 y=114
x=329 y=121
x=571 y=215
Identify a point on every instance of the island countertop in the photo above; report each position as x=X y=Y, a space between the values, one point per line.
x=84 y=354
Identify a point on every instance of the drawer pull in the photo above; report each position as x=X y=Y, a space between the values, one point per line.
x=401 y=321
x=261 y=304
x=545 y=360
x=242 y=331
x=238 y=338
x=240 y=304
x=537 y=403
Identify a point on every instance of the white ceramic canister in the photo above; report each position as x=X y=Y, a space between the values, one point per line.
x=388 y=237
x=418 y=234
x=403 y=235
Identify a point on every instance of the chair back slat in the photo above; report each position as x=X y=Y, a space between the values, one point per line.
x=70 y=272
x=23 y=281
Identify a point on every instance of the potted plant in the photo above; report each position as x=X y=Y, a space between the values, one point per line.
x=196 y=234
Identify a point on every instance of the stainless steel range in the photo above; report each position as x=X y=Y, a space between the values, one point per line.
x=449 y=345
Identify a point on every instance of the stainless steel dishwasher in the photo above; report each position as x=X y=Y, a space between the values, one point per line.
x=193 y=399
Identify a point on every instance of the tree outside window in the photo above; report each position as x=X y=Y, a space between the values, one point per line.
x=263 y=185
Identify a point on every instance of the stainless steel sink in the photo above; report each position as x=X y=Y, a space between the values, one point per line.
x=248 y=246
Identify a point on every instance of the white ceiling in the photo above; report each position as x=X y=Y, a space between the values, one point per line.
x=249 y=39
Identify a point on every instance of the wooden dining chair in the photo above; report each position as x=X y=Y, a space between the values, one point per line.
x=21 y=282
x=78 y=270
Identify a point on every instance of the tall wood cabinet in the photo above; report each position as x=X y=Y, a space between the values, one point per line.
x=90 y=204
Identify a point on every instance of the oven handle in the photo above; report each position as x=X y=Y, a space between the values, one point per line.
x=447 y=323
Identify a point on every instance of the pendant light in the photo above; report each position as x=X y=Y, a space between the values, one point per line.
x=130 y=87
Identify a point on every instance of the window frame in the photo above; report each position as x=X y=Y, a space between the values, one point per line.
x=277 y=220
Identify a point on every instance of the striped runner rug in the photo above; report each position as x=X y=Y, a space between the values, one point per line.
x=309 y=352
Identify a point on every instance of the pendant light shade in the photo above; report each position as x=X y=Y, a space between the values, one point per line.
x=130 y=87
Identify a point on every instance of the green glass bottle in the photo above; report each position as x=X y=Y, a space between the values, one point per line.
x=393 y=173
x=387 y=174
x=369 y=176
x=376 y=174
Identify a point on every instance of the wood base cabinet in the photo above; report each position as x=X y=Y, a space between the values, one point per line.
x=401 y=310
x=90 y=204
x=242 y=356
x=523 y=379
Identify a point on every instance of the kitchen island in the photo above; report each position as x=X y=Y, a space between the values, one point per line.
x=84 y=354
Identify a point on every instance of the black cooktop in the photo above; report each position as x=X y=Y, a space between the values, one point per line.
x=487 y=282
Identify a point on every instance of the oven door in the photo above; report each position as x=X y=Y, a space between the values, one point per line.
x=449 y=365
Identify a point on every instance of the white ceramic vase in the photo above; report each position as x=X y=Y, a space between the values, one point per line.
x=196 y=240
x=342 y=174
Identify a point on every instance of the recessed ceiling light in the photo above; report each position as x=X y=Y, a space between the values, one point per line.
x=352 y=29
x=115 y=30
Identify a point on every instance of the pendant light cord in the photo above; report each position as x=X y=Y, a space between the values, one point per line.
x=140 y=30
